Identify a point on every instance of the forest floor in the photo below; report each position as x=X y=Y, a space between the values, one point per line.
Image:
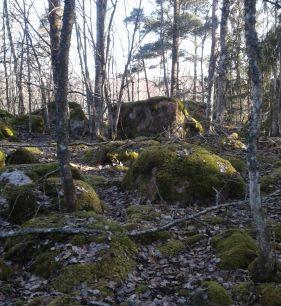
x=157 y=279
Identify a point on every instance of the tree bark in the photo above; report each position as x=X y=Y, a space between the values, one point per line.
x=55 y=32
x=265 y=263
x=222 y=67
x=101 y=6
x=62 y=61
x=212 y=67
x=175 y=49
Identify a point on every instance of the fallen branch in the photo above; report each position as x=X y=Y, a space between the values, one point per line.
x=181 y=220
x=57 y=230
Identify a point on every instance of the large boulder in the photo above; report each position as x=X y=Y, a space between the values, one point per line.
x=158 y=115
x=183 y=173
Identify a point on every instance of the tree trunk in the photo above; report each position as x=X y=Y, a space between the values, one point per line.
x=162 y=38
x=55 y=28
x=101 y=6
x=175 y=49
x=222 y=67
x=265 y=264
x=212 y=67
x=15 y=59
x=62 y=60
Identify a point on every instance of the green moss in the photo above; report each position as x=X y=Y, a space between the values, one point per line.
x=141 y=288
x=64 y=301
x=2 y=160
x=5 y=115
x=270 y=295
x=238 y=163
x=270 y=182
x=37 y=122
x=5 y=271
x=183 y=173
x=21 y=156
x=87 y=199
x=232 y=142
x=277 y=231
x=6 y=131
x=138 y=213
x=193 y=239
x=115 y=265
x=34 y=150
x=96 y=180
x=22 y=203
x=235 y=248
x=45 y=264
x=213 y=220
x=241 y=292
x=217 y=295
x=171 y=248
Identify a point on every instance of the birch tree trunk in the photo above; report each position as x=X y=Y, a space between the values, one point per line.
x=212 y=67
x=222 y=67
x=62 y=62
x=175 y=49
x=264 y=266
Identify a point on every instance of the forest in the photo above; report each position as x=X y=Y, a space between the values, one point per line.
x=140 y=152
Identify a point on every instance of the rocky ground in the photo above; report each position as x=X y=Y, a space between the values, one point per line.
x=168 y=268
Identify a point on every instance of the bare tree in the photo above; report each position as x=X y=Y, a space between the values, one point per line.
x=61 y=77
x=222 y=67
x=265 y=264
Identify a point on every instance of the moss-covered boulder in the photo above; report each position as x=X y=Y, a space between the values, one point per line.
x=183 y=173
x=270 y=295
x=5 y=115
x=23 y=186
x=233 y=141
x=109 y=256
x=87 y=199
x=211 y=293
x=21 y=156
x=6 y=131
x=111 y=153
x=155 y=116
x=2 y=159
x=271 y=181
x=5 y=271
x=37 y=122
x=235 y=248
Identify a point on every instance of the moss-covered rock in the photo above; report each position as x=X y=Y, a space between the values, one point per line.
x=232 y=141
x=238 y=163
x=155 y=116
x=217 y=295
x=21 y=156
x=241 y=292
x=5 y=271
x=270 y=295
x=183 y=173
x=2 y=159
x=5 y=115
x=87 y=199
x=271 y=181
x=37 y=122
x=6 y=131
x=112 y=258
x=110 y=154
x=235 y=248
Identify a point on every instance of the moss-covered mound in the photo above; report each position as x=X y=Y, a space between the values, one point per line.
x=110 y=154
x=211 y=293
x=6 y=131
x=107 y=255
x=37 y=122
x=21 y=156
x=271 y=181
x=156 y=116
x=2 y=159
x=270 y=295
x=23 y=186
x=5 y=115
x=235 y=248
x=183 y=173
x=87 y=199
